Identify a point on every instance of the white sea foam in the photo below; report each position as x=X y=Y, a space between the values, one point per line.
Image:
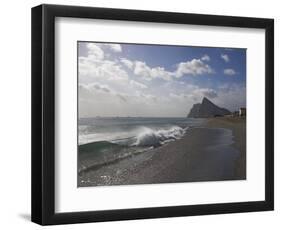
x=141 y=136
x=150 y=137
x=95 y=137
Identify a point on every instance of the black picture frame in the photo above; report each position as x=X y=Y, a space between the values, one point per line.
x=43 y=114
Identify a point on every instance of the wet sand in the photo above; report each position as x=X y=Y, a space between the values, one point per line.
x=238 y=127
x=213 y=152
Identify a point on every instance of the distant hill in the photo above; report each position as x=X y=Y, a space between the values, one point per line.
x=207 y=109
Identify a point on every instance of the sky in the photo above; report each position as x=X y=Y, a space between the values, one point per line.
x=141 y=80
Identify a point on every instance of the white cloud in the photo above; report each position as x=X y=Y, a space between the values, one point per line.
x=148 y=73
x=95 y=87
x=230 y=72
x=136 y=84
x=122 y=97
x=186 y=98
x=115 y=47
x=225 y=57
x=206 y=92
x=107 y=86
x=95 y=65
x=177 y=96
x=231 y=96
x=128 y=63
x=96 y=92
x=205 y=58
x=100 y=87
x=141 y=69
x=193 y=67
x=95 y=52
x=105 y=70
x=145 y=98
x=160 y=72
x=191 y=94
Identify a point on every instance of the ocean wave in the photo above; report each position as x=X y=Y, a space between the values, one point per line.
x=155 y=138
x=106 y=136
x=102 y=153
x=95 y=155
x=142 y=136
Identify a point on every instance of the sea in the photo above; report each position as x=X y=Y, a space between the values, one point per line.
x=106 y=140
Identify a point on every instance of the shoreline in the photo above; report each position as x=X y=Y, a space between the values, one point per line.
x=215 y=151
x=238 y=127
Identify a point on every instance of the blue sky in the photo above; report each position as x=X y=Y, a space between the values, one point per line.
x=157 y=80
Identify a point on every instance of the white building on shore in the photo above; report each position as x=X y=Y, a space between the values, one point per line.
x=242 y=112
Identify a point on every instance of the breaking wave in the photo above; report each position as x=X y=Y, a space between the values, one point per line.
x=155 y=138
x=100 y=153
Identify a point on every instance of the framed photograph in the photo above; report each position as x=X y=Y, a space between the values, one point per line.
x=142 y=114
